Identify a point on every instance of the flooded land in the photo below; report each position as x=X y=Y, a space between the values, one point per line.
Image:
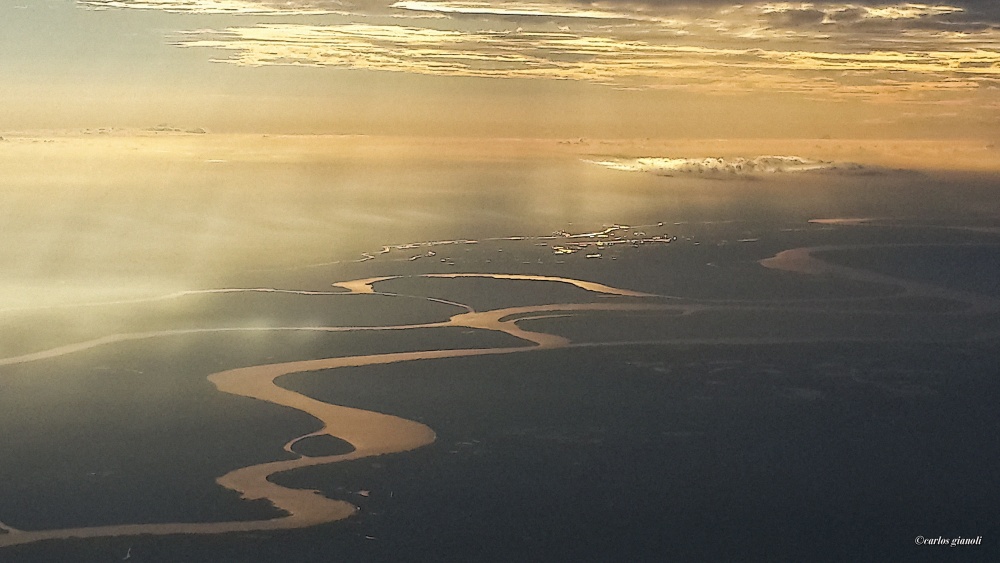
x=359 y=349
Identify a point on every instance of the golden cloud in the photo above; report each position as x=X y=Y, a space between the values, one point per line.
x=891 y=52
x=604 y=59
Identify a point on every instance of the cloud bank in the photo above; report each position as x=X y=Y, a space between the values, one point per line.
x=732 y=168
x=909 y=52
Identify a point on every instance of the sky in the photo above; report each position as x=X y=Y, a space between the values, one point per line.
x=513 y=68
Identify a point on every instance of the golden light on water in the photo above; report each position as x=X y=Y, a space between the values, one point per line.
x=94 y=218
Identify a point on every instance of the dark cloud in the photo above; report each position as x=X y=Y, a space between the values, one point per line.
x=795 y=18
x=983 y=11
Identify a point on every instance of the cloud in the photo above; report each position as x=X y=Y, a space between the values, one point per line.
x=899 y=73
x=853 y=12
x=234 y=7
x=515 y=9
x=878 y=51
x=733 y=168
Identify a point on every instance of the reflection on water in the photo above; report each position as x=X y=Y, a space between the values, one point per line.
x=99 y=219
x=372 y=433
x=369 y=433
x=157 y=223
x=109 y=218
